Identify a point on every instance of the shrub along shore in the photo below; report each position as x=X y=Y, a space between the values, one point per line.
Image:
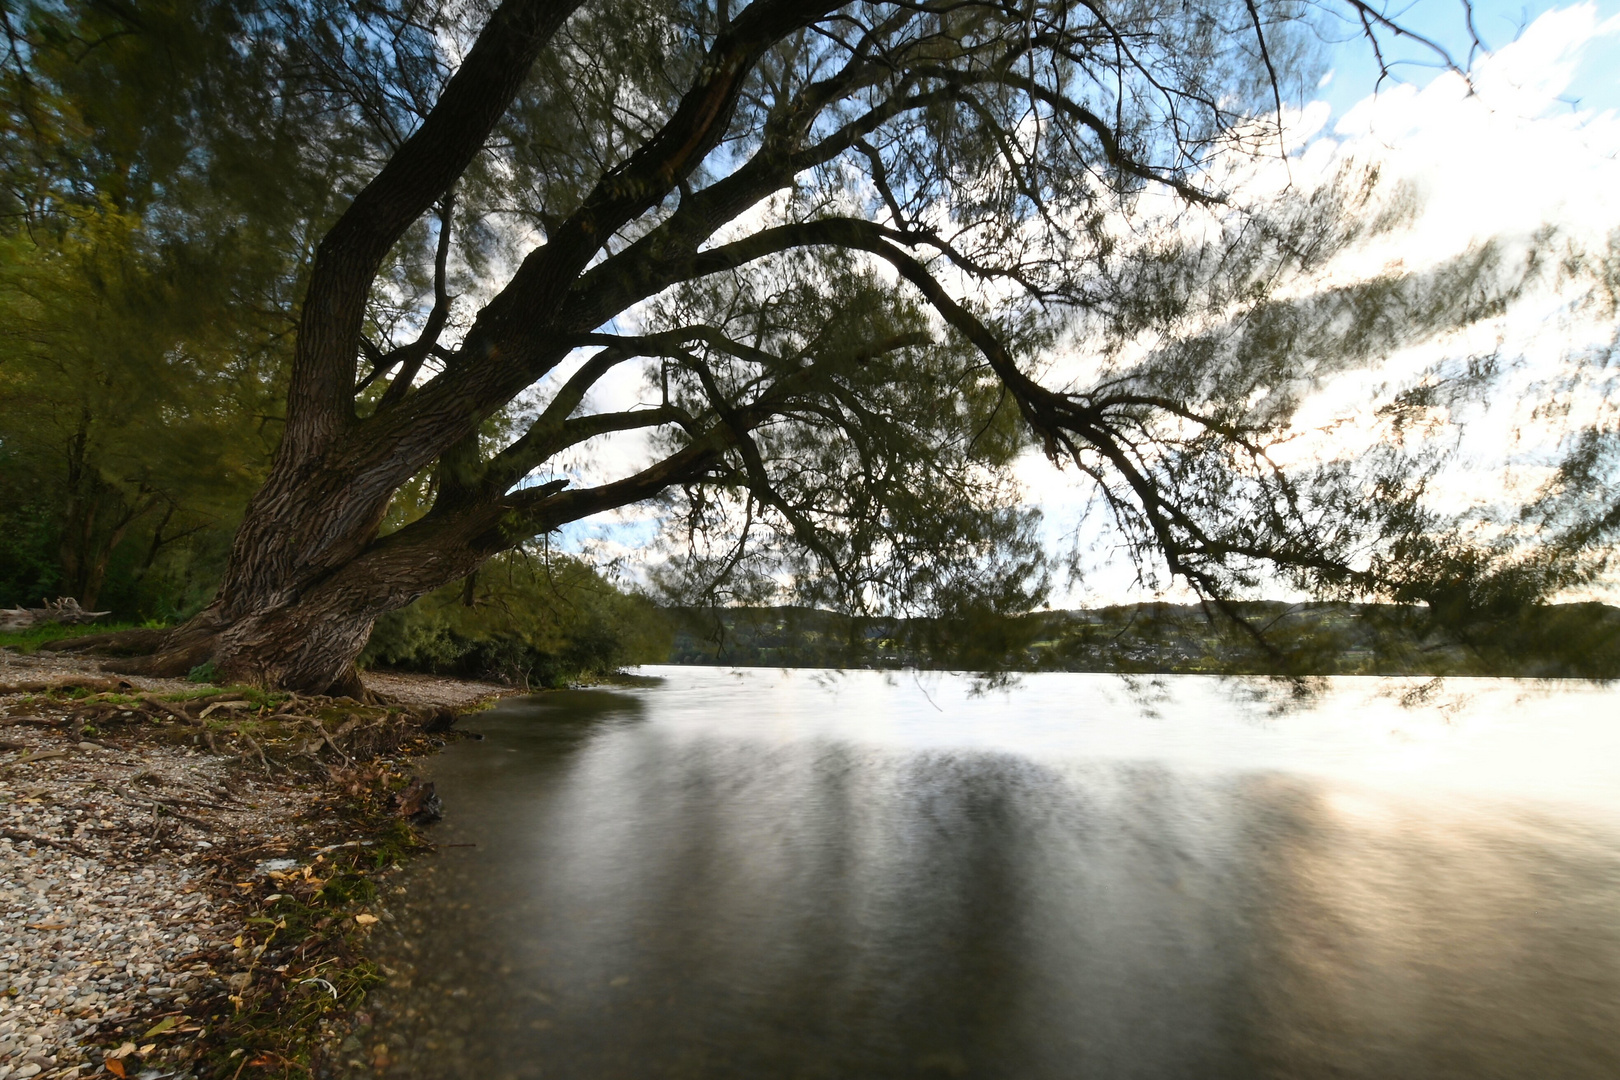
x=191 y=871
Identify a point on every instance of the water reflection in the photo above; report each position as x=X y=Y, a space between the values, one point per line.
x=715 y=879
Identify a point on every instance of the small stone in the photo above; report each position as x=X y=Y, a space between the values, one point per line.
x=275 y=866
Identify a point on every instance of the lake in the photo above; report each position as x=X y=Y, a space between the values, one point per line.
x=757 y=873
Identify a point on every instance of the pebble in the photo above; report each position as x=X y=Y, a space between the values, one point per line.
x=75 y=958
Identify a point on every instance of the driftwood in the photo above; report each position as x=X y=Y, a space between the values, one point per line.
x=43 y=686
x=171 y=708
x=66 y=611
x=30 y=838
x=320 y=729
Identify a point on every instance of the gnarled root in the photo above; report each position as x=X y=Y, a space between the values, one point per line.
x=309 y=649
x=118 y=643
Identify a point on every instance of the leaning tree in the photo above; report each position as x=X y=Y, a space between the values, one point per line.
x=858 y=251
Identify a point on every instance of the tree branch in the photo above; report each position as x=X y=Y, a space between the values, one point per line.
x=411 y=356
x=321 y=393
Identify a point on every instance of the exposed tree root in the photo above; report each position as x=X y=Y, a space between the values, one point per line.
x=119 y=643
x=175 y=653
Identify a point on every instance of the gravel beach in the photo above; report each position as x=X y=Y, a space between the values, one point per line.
x=121 y=866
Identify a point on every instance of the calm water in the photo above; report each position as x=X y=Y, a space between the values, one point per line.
x=764 y=874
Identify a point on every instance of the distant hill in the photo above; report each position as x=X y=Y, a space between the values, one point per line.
x=1555 y=641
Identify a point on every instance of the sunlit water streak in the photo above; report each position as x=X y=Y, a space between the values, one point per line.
x=770 y=874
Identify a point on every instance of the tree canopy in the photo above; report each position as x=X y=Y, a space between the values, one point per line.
x=863 y=256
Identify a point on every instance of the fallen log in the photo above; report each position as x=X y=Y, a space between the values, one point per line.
x=138 y=642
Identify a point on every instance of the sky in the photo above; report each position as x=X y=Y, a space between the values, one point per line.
x=1532 y=139
x=1354 y=68
x=1534 y=142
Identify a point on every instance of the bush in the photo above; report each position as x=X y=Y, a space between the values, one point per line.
x=526 y=619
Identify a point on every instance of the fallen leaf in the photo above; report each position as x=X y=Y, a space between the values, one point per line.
x=365 y=920
x=114 y=1066
x=148 y=1048
x=123 y=1051
x=160 y=1027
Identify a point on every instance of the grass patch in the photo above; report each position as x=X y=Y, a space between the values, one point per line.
x=27 y=641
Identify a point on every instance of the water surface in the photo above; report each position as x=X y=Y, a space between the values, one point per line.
x=802 y=874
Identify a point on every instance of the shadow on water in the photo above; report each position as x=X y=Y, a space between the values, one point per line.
x=735 y=894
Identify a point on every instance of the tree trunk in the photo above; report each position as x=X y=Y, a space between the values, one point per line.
x=303 y=628
x=308 y=646
x=308 y=575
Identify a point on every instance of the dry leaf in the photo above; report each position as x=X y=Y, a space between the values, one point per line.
x=365 y=920
x=114 y=1066
x=123 y=1051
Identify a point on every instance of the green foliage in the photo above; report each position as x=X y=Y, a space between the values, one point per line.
x=848 y=284
x=528 y=619
x=130 y=382
x=154 y=230
x=887 y=486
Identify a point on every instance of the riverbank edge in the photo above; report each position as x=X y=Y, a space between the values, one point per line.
x=276 y=834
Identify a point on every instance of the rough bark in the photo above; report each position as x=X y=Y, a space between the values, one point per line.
x=308 y=575
x=308 y=639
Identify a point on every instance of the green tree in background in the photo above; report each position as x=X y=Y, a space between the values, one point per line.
x=530 y=618
x=161 y=181
x=136 y=417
